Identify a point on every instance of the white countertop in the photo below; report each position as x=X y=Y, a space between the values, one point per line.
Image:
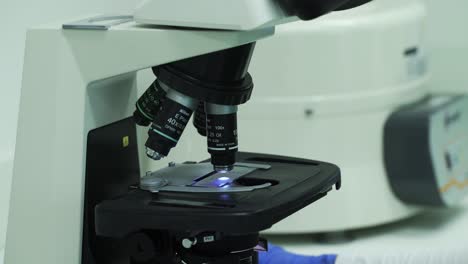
x=438 y=235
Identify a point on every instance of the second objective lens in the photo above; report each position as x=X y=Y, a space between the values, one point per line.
x=169 y=124
x=221 y=128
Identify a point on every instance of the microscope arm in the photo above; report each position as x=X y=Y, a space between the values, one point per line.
x=66 y=92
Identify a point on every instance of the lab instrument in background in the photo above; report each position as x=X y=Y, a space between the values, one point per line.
x=77 y=196
x=353 y=88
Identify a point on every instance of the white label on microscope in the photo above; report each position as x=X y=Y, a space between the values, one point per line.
x=208 y=239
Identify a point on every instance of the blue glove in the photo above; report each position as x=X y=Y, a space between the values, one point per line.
x=277 y=255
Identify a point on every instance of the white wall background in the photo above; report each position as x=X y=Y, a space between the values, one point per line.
x=17 y=16
x=447 y=37
x=448 y=43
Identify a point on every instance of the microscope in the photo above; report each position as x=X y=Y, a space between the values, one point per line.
x=78 y=194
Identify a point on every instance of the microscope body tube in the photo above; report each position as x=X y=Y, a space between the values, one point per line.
x=169 y=124
x=221 y=130
x=218 y=80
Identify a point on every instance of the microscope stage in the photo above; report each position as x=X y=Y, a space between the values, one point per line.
x=201 y=178
x=284 y=186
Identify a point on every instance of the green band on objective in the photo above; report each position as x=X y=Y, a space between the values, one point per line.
x=143 y=112
x=164 y=135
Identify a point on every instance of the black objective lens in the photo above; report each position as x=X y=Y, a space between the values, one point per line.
x=149 y=104
x=199 y=120
x=169 y=124
x=221 y=128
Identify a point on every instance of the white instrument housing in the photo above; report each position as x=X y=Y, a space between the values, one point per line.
x=335 y=83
